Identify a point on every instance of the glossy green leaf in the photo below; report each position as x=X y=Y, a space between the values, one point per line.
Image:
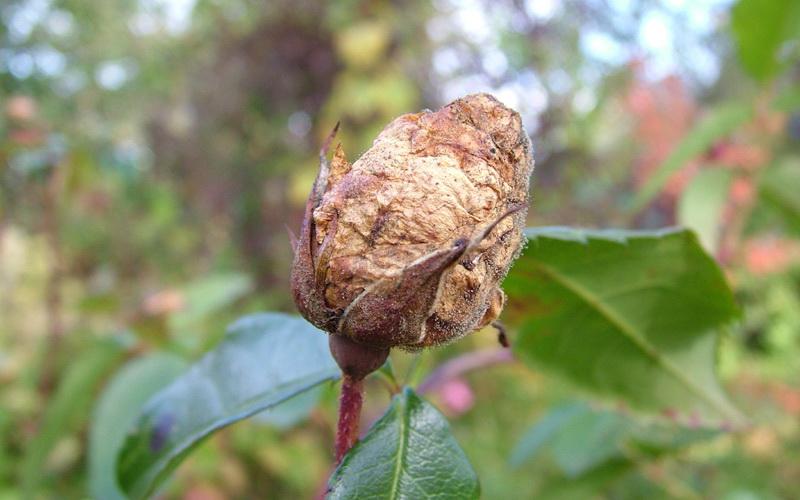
x=410 y=454
x=627 y=315
x=292 y=411
x=702 y=203
x=264 y=359
x=760 y=28
x=69 y=407
x=116 y=411
x=718 y=123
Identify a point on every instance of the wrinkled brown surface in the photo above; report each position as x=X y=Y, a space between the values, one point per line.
x=429 y=179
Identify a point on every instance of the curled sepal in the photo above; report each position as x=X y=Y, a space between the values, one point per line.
x=393 y=311
x=396 y=311
x=307 y=293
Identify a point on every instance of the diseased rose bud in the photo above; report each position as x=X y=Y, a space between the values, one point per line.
x=407 y=246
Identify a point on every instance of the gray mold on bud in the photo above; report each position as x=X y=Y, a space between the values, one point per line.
x=407 y=246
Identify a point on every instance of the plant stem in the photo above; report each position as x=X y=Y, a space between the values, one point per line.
x=53 y=299
x=352 y=398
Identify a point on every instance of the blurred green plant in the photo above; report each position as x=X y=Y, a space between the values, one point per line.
x=623 y=314
x=150 y=157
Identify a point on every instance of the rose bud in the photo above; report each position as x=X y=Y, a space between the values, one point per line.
x=407 y=246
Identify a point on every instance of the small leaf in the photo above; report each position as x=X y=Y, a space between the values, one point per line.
x=408 y=453
x=264 y=359
x=580 y=438
x=718 y=123
x=760 y=28
x=625 y=314
x=68 y=408
x=116 y=411
x=588 y=440
x=544 y=432
x=577 y=436
x=702 y=203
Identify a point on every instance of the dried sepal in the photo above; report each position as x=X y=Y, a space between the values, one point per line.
x=305 y=280
x=398 y=306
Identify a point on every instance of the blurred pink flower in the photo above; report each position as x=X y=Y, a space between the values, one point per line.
x=21 y=108
x=770 y=255
x=204 y=492
x=742 y=191
x=27 y=137
x=163 y=302
x=662 y=113
x=743 y=156
x=456 y=396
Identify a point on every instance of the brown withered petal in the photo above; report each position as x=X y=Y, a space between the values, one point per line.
x=407 y=246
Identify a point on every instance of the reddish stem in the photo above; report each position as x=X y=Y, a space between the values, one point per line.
x=350 y=403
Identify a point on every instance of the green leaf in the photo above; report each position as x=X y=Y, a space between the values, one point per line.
x=292 y=411
x=68 y=408
x=589 y=439
x=779 y=188
x=544 y=432
x=657 y=440
x=116 y=411
x=577 y=436
x=408 y=453
x=702 y=203
x=788 y=101
x=760 y=28
x=580 y=438
x=264 y=359
x=718 y=123
x=625 y=314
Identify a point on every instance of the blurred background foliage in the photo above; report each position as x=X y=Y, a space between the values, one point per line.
x=152 y=154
